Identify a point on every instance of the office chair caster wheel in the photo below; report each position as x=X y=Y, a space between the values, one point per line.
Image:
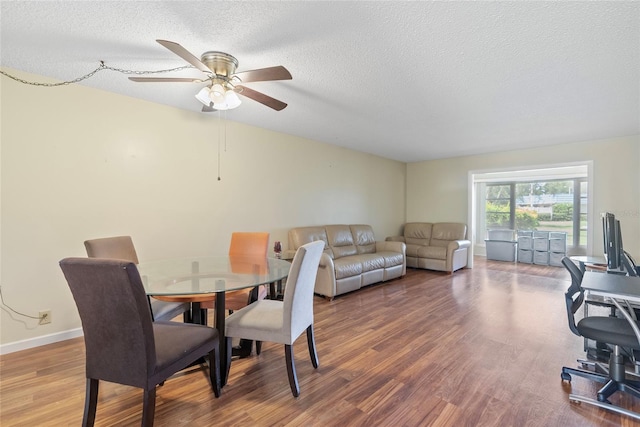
x=565 y=376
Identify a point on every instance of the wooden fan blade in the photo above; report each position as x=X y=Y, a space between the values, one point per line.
x=261 y=98
x=184 y=54
x=206 y=109
x=265 y=74
x=165 y=79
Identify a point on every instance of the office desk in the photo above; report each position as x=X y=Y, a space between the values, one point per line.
x=583 y=260
x=211 y=275
x=612 y=286
x=615 y=287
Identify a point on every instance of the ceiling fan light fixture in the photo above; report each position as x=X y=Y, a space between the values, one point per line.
x=232 y=99
x=204 y=97
x=217 y=93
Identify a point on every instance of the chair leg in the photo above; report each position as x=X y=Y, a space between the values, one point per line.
x=149 y=407
x=228 y=355
x=258 y=347
x=214 y=370
x=311 y=342
x=150 y=309
x=628 y=386
x=291 y=370
x=244 y=349
x=594 y=376
x=90 y=402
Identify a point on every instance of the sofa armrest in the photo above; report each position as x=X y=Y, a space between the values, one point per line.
x=458 y=244
x=453 y=247
x=394 y=246
x=326 y=278
x=395 y=239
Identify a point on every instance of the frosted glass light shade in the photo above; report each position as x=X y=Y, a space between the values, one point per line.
x=203 y=96
x=229 y=101
x=232 y=99
x=217 y=93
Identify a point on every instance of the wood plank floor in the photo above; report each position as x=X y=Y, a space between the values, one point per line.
x=481 y=347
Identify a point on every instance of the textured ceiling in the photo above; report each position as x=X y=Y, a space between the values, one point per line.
x=408 y=81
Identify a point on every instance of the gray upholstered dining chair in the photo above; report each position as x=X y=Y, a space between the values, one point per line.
x=283 y=321
x=123 y=345
x=121 y=247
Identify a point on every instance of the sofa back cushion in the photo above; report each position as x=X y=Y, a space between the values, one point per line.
x=363 y=238
x=417 y=233
x=444 y=232
x=302 y=235
x=340 y=241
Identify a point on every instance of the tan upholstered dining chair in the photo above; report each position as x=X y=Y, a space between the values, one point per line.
x=121 y=247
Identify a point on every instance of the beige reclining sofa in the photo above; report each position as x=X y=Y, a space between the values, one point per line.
x=352 y=258
x=441 y=246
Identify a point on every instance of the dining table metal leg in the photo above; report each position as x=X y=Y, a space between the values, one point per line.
x=220 y=316
x=198 y=314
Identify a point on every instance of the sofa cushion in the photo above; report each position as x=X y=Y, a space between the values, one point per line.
x=369 y=262
x=363 y=238
x=412 y=249
x=417 y=233
x=444 y=232
x=391 y=259
x=303 y=235
x=340 y=240
x=433 y=252
x=347 y=267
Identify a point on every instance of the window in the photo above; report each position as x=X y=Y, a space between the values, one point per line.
x=554 y=199
x=500 y=206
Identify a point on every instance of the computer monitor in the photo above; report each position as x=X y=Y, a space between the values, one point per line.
x=612 y=235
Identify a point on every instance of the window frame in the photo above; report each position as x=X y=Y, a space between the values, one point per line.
x=477 y=179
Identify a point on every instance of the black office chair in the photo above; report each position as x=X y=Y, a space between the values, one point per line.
x=615 y=331
x=596 y=301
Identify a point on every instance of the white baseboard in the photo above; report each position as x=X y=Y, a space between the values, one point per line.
x=38 y=341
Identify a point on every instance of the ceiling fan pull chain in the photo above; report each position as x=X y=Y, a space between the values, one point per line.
x=219 y=179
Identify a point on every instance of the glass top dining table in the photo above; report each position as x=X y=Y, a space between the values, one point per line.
x=211 y=275
x=202 y=275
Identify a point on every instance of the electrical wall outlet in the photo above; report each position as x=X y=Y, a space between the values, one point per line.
x=45 y=317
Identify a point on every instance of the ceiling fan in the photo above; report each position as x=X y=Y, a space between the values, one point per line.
x=224 y=84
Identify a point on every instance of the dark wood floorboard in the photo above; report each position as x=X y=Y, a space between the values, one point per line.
x=481 y=347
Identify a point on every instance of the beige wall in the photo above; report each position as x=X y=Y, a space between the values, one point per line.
x=439 y=190
x=79 y=163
